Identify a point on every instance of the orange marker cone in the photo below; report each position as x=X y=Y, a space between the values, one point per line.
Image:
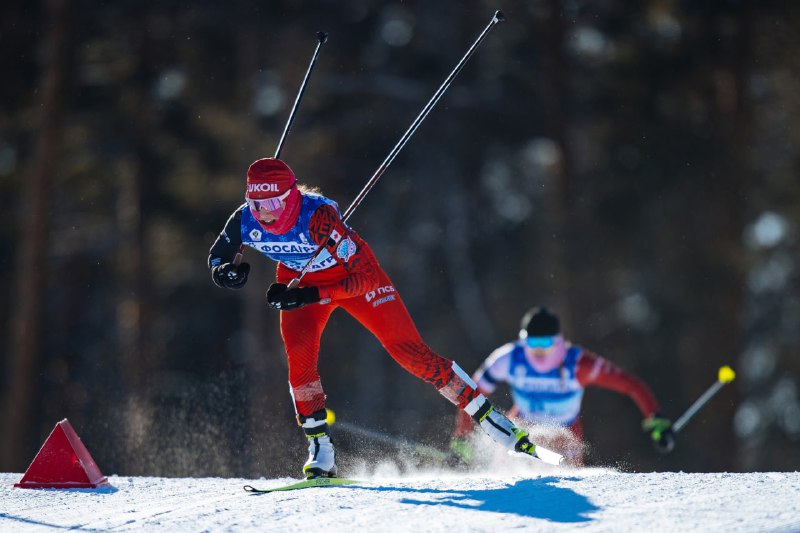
x=62 y=463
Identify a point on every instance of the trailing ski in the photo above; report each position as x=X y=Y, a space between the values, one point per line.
x=306 y=483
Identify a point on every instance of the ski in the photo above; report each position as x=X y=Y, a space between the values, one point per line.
x=547 y=456
x=307 y=483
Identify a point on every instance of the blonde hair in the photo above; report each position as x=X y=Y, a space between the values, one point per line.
x=303 y=188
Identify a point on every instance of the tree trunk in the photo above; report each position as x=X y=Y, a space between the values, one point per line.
x=30 y=275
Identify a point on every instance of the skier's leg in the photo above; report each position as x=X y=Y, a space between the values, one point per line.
x=384 y=314
x=301 y=330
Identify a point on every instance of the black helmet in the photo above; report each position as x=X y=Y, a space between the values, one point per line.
x=539 y=322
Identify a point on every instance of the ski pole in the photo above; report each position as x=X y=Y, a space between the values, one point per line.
x=724 y=376
x=497 y=17
x=322 y=38
x=422 y=449
x=543 y=454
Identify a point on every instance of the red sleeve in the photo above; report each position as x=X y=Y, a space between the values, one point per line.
x=595 y=370
x=327 y=229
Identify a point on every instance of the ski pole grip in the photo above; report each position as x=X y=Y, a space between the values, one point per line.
x=237 y=260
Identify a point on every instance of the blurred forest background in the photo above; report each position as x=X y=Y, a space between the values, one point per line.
x=632 y=164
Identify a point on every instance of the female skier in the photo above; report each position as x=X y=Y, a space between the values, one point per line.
x=547 y=376
x=287 y=223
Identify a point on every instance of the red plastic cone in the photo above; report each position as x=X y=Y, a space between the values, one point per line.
x=62 y=463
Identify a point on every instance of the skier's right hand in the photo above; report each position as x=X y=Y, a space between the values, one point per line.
x=230 y=276
x=281 y=297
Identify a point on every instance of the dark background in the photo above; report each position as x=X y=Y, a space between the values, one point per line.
x=632 y=164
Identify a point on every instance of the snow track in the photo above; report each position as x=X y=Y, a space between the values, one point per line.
x=558 y=500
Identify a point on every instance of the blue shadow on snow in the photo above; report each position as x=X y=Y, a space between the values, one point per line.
x=536 y=498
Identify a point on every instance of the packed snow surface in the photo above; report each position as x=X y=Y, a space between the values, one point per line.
x=558 y=499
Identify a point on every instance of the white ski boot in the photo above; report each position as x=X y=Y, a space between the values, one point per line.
x=321 y=460
x=498 y=427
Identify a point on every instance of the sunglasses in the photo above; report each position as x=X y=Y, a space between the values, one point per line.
x=540 y=342
x=269 y=204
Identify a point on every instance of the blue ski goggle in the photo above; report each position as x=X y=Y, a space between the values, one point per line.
x=540 y=342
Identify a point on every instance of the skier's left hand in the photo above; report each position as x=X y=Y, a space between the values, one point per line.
x=660 y=429
x=462 y=450
x=279 y=296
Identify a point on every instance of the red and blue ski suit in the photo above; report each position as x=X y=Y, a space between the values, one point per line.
x=347 y=275
x=555 y=396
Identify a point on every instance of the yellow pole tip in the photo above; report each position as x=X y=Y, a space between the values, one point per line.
x=726 y=374
x=330 y=417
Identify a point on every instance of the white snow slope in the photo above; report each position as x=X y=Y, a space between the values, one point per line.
x=552 y=500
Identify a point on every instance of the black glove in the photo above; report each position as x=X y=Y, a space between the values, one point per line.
x=285 y=299
x=660 y=429
x=230 y=276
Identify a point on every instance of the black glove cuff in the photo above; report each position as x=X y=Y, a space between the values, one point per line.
x=311 y=294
